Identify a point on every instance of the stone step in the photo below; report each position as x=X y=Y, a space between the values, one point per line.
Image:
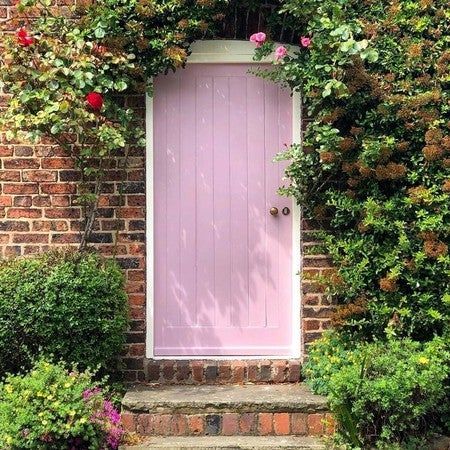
x=245 y=410
x=230 y=443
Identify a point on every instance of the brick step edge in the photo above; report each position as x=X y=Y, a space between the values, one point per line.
x=229 y=424
x=222 y=371
x=230 y=443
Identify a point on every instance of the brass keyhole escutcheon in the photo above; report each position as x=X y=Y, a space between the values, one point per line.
x=285 y=211
x=273 y=211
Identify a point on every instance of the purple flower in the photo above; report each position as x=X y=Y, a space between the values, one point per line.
x=114 y=437
x=88 y=393
x=111 y=413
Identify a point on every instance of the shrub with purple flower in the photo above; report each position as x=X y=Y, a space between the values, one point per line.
x=105 y=416
x=52 y=408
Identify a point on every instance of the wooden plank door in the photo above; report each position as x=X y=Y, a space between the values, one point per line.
x=222 y=262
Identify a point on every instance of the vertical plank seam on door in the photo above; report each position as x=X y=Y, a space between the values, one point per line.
x=213 y=159
x=278 y=228
x=195 y=293
x=248 y=215
x=230 y=265
x=180 y=159
x=165 y=211
x=266 y=243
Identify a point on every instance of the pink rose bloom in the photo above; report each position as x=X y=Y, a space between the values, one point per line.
x=305 y=41
x=280 y=52
x=258 y=38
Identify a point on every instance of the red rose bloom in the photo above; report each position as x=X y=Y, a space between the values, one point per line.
x=23 y=38
x=94 y=100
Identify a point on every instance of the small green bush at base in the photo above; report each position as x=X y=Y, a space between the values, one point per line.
x=67 y=305
x=50 y=408
x=383 y=393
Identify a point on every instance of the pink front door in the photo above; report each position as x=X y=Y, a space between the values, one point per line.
x=222 y=263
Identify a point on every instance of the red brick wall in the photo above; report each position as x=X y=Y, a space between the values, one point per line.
x=38 y=210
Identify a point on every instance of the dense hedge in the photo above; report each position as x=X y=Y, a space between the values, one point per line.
x=67 y=305
x=374 y=171
x=387 y=394
x=374 y=167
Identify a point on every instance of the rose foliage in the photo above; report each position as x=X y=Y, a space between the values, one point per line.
x=67 y=75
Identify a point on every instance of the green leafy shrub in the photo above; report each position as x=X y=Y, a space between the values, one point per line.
x=383 y=393
x=52 y=408
x=65 y=304
x=374 y=167
x=373 y=172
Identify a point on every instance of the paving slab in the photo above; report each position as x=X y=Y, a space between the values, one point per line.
x=229 y=443
x=206 y=398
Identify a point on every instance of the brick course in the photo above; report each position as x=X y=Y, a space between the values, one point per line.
x=229 y=424
x=38 y=211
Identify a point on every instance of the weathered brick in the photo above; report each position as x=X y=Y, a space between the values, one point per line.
x=13 y=225
x=128 y=421
x=23 y=213
x=265 y=427
x=238 y=372
x=22 y=201
x=41 y=201
x=6 y=150
x=197 y=371
x=213 y=424
x=279 y=371
x=57 y=163
x=196 y=425
x=30 y=238
x=247 y=423
x=23 y=188
x=315 y=424
x=299 y=424
x=66 y=238
x=58 y=188
x=311 y=325
x=179 y=425
x=5 y=200
x=168 y=370
x=281 y=424
x=294 y=371
x=224 y=371
x=21 y=163
x=183 y=370
x=62 y=213
x=39 y=175
x=9 y=175
x=230 y=424
x=144 y=424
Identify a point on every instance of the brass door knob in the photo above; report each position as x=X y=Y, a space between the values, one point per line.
x=273 y=211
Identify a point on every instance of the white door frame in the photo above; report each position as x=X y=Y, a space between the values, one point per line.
x=219 y=51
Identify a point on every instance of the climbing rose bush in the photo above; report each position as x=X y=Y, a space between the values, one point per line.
x=52 y=408
x=67 y=77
